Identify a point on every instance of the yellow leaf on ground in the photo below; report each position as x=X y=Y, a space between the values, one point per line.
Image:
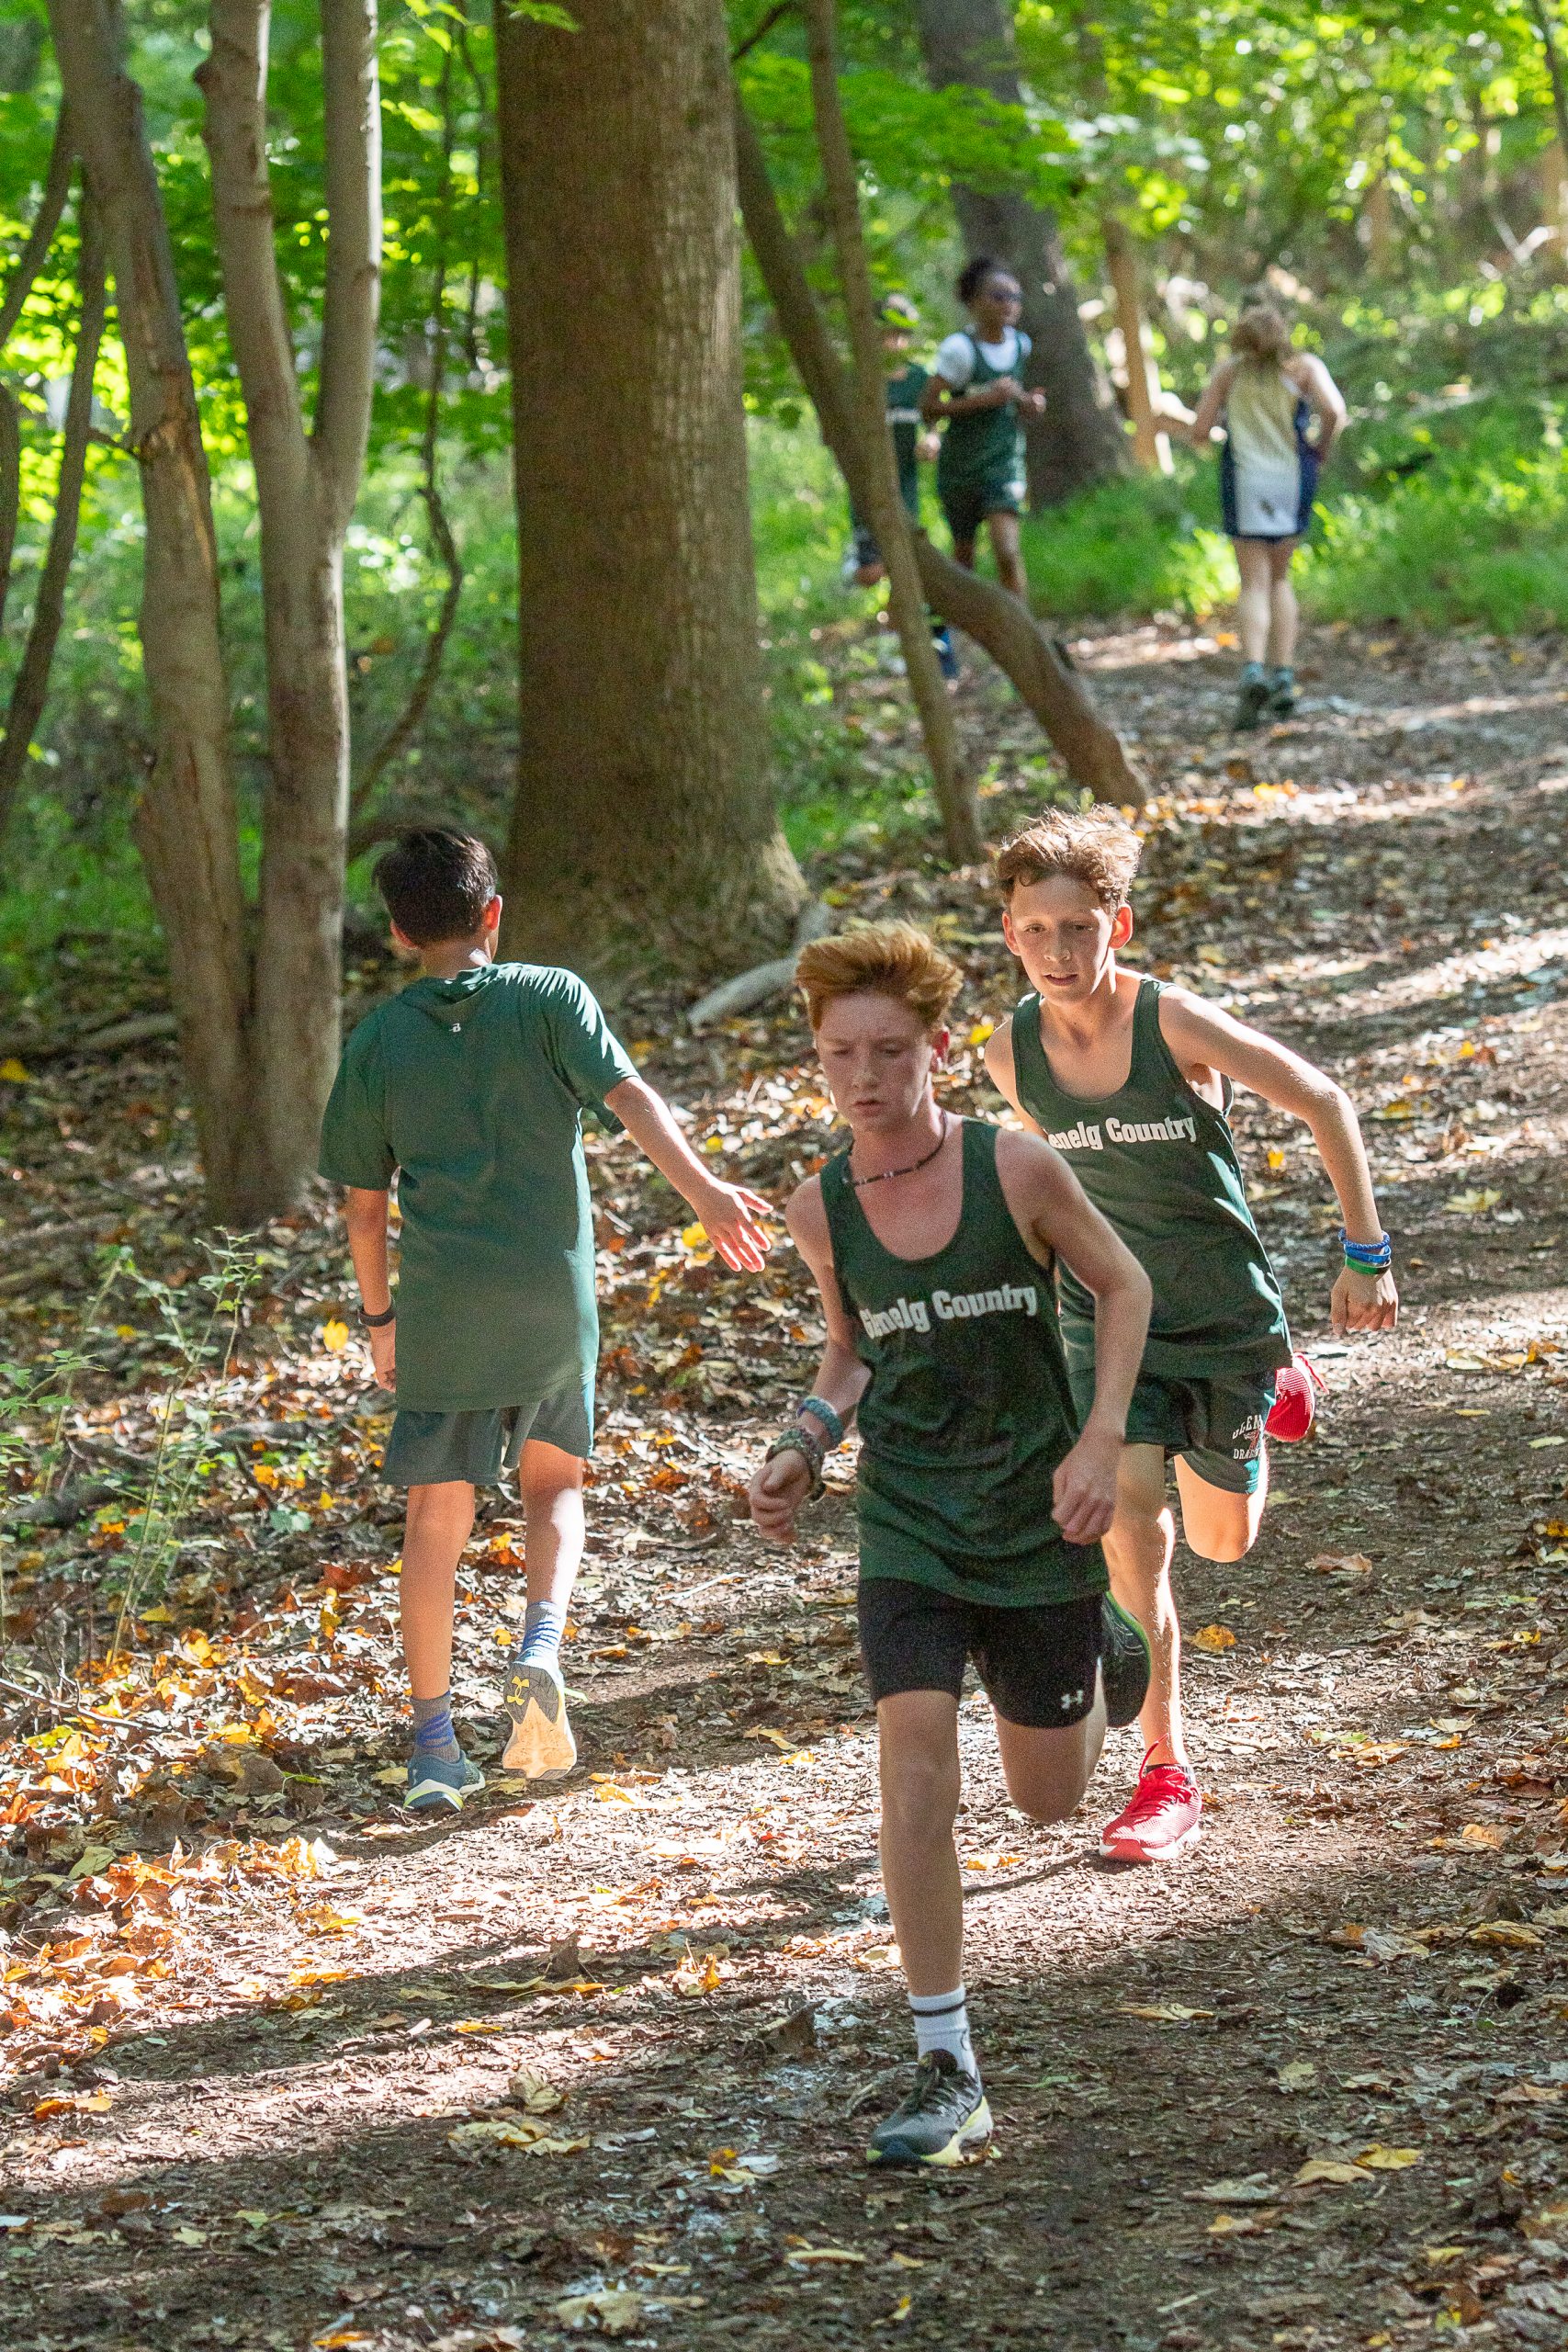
x=1214 y=1637
x=1377 y=2158
x=1511 y=1933
x=1475 y=1204
x=13 y=1069
x=1482 y=1833
x=808 y=2253
x=1329 y=2170
x=334 y=1335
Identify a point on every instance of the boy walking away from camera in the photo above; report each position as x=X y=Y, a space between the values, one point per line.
x=906 y=381
x=1131 y=1080
x=981 y=1504
x=471 y=1087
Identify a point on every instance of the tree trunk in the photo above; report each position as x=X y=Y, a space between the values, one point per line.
x=1151 y=445
x=1382 y=257
x=187 y=824
x=1548 y=27
x=643 y=816
x=30 y=684
x=1091 y=750
x=30 y=261
x=305 y=486
x=1079 y=439
x=885 y=508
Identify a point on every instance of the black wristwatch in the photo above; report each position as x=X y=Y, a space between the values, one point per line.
x=379 y=1322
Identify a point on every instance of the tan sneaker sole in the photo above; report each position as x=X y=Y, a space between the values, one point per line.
x=541 y=1744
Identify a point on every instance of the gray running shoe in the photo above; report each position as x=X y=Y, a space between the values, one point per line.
x=1281 y=693
x=1252 y=698
x=541 y=1744
x=1125 y=1663
x=945 y=2120
x=435 y=1786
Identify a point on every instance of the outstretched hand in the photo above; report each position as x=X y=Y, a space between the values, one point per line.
x=383 y=1338
x=776 y=1494
x=1363 y=1303
x=735 y=1222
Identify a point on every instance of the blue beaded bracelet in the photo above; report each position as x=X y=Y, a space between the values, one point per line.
x=1367 y=1257
x=831 y=1422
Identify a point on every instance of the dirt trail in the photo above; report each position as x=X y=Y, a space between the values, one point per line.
x=1308 y=2089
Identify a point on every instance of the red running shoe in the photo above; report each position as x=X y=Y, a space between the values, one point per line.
x=1162 y=1820
x=1290 y=1416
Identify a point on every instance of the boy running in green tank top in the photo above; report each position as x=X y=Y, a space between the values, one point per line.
x=1131 y=1081
x=932 y=1240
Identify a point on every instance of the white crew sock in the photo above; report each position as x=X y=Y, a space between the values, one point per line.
x=942 y=2022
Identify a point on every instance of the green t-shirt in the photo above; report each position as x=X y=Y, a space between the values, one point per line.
x=473 y=1088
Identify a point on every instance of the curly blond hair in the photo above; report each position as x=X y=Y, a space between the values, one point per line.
x=887 y=958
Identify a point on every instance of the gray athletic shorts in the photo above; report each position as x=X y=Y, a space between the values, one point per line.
x=481 y=1449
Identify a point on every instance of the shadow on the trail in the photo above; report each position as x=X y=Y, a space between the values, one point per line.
x=1164 y=2048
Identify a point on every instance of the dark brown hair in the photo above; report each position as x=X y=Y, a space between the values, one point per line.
x=436 y=885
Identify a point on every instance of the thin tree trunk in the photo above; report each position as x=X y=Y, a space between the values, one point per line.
x=1151 y=445
x=187 y=823
x=1551 y=31
x=1079 y=439
x=30 y=261
x=402 y=732
x=31 y=683
x=884 y=506
x=305 y=486
x=643 y=818
x=1089 y=749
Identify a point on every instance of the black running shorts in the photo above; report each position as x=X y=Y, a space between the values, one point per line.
x=1036 y=1663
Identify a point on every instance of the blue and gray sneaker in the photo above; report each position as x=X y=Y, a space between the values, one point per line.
x=436 y=1783
x=541 y=1744
x=1126 y=1664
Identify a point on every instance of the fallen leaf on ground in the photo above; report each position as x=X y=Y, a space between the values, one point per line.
x=1331 y=2169
x=534 y=2093
x=1214 y=1637
x=1252 y=2189
x=1163 y=2013
x=613 y=2309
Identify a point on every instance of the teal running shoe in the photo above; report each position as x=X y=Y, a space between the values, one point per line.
x=438 y=1785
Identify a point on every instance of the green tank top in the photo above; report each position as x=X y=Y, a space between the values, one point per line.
x=1160 y=1164
x=969 y=1409
x=985 y=442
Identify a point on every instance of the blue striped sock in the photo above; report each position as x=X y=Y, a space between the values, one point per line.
x=433 y=1738
x=542 y=1629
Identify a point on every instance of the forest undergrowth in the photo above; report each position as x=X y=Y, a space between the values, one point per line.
x=284 y=2069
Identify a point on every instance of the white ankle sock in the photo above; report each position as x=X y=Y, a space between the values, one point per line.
x=942 y=2022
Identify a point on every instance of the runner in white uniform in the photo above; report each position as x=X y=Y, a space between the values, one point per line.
x=1268 y=394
